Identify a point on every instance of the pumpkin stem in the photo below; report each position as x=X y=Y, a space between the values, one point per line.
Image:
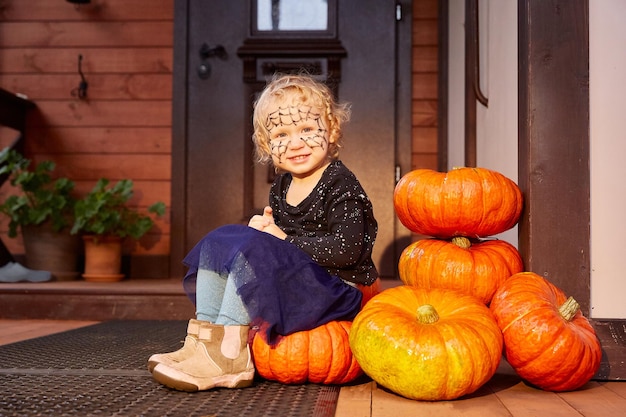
x=462 y=242
x=569 y=308
x=426 y=314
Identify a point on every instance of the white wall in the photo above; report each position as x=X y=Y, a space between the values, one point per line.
x=496 y=126
x=607 y=70
x=456 y=83
x=496 y=134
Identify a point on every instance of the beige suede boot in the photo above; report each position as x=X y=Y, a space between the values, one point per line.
x=221 y=358
x=181 y=354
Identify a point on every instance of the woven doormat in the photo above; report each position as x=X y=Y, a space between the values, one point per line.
x=100 y=370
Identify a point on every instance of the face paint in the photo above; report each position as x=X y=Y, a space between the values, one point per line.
x=302 y=122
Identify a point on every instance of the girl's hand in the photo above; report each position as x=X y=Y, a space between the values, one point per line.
x=261 y=221
x=265 y=223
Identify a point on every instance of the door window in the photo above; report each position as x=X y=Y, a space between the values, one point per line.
x=293 y=18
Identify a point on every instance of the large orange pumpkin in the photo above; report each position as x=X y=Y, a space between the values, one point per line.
x=476 y=268
x=321 y=356
x=547 y=339
x=474 y=202
x=426 y=344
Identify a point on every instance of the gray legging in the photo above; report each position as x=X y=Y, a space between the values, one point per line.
x=217 y=300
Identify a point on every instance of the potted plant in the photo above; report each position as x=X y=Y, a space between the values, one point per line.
x=42 y=211
x=105 y=219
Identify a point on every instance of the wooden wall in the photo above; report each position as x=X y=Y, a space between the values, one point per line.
x=425 y=69
x=123 y=128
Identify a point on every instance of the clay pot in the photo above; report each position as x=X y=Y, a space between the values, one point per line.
x=103 y=258
x=56 y=252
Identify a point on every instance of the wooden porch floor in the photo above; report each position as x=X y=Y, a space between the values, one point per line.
x=504 y=395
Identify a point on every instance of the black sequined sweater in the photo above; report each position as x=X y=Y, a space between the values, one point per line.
x=335 y=224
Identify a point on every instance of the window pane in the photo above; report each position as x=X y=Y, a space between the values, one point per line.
x=277 y=15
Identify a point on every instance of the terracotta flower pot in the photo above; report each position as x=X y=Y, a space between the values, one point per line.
x=103 y=258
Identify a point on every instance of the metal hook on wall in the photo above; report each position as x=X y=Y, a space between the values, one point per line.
x=81 y=90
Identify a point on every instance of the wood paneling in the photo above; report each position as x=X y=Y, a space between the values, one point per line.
x=126 y=60
x=123 y=10
x=425 y=59
x=101 y=86
x=422 y=160
x=94 y=166
x=425 y=9
x=425 y=84
x=92 y=113
x=101 y=140
x=424 y=33
x=424 y=140
x=123 y=128
x=62 y=34
x=424 y=113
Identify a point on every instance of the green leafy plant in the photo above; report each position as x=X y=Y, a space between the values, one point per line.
x=42 y=198
x=104 y=211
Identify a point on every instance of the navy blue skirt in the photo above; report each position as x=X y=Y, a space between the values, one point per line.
x=283 y=289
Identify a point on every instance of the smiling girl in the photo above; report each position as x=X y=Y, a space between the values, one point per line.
x=297 y=265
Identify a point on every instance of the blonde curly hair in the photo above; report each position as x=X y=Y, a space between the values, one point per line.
x=301 y=90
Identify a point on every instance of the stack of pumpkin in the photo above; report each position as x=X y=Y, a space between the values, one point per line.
x=458 y=209
x=440 y=336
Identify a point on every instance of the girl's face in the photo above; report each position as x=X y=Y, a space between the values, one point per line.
x=299 y=139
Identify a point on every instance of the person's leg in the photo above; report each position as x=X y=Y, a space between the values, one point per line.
x=232 y=312
x=193 y=329
x=221 y=357
x=209 y=293
x=210 y=287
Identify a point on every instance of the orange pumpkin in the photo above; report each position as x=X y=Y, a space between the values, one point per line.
x=321 y=356
x=476 y=269
x=547 y=339
x=369 y=291
x=474 y=202
x=426 y=344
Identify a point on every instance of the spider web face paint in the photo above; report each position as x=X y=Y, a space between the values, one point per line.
x=302 y=121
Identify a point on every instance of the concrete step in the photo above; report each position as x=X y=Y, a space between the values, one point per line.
x=133 y=299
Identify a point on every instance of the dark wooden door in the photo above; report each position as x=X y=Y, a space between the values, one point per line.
x=214 y=180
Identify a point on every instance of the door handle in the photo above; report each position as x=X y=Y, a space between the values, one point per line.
x=207 y=52
x=218 y=51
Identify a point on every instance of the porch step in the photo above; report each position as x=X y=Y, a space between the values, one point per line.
x=133 y=299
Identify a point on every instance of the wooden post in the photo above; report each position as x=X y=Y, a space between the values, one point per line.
x=554 y=142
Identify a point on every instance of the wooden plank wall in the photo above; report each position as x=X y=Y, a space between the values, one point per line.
x=123 y=128
x=425 y=93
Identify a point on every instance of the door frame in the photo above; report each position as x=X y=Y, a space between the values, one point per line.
x=179 y=138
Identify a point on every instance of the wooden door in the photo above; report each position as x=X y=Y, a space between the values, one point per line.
x=214 y=180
